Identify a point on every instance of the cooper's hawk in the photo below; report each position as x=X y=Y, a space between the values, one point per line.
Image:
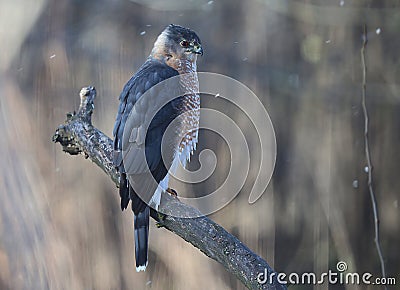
x=174 y=55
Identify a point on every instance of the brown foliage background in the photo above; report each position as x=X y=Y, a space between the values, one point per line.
x=60 y=223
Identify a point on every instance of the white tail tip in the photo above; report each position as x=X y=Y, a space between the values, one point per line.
x=141 y=268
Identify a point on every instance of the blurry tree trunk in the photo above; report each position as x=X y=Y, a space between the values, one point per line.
x=32 y=255
x=22 y=224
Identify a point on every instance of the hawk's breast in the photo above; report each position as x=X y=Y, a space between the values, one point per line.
x=189 y=127
x=190 y=108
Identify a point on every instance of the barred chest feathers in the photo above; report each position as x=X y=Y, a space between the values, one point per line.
x=191 y=110
x=189 y=125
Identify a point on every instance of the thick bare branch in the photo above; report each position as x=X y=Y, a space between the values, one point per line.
x=78 y=135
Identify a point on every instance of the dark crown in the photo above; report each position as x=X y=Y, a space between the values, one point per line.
x=177 y=33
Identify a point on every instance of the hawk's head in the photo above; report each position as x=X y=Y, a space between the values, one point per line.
x=177 y=43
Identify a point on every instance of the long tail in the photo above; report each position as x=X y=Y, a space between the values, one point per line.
x=141 y=226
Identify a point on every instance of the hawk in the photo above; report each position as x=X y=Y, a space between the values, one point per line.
x=173 y=56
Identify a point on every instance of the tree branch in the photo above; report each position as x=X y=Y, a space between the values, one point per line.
x=78 y=135
x=367 y=152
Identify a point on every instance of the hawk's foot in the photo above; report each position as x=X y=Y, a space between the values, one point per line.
x=172 y=192
x=161 y=217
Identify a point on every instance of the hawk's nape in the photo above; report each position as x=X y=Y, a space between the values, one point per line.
x=141 y=161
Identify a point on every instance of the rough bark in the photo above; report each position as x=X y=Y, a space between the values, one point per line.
x=78 y=135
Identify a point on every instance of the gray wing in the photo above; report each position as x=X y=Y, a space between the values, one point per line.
x=140 y=125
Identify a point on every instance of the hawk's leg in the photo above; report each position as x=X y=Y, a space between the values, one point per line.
x=172 y=192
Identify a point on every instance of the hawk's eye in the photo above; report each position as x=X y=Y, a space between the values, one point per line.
x=184 y=43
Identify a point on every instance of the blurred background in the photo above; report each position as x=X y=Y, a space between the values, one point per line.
x=60 y=222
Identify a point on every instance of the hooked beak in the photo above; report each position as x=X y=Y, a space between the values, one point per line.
x=197 y=49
